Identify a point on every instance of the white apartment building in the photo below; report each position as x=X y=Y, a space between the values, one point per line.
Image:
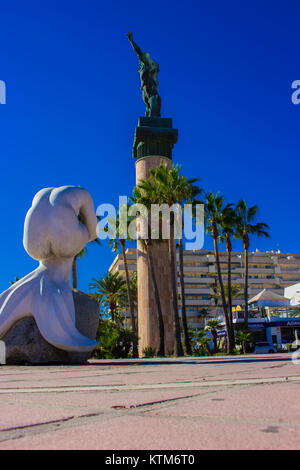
x=267 y=270
x=293 y=293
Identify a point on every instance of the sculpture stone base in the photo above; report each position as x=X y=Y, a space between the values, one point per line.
x=25 y=344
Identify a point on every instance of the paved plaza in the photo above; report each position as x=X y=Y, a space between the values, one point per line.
x=239 y=402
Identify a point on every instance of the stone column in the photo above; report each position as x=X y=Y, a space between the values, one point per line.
x=154 y=140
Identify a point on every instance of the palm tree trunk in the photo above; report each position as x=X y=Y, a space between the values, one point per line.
x=246 y=286
x=135 y=347
x=246 y=248
x=161 y=351
x=74 y=272
x=229 y=249
x=112 y=309
x=224 y=305
x=215 y=340
x=187 y=344
x=173 y=268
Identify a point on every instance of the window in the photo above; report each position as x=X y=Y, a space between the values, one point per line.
x=197 y=297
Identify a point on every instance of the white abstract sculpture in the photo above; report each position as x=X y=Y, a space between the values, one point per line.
x=2 y=353
x=53 y=235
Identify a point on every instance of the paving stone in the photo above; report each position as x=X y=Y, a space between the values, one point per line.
x=171 y=404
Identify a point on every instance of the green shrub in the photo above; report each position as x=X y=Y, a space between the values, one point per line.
x=200 y=344
x=115 y=341
x=200 y=350
x=235 y=352
x=149 y=352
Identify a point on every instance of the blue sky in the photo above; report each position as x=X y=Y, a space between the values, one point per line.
x=73 y=101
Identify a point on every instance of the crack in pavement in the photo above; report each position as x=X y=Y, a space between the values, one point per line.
x=145 y=410
x=99 y=415
x=50 y=426
x=19 y=432
x=152 y=403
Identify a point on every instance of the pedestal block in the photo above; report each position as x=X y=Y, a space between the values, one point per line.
x=154 y=136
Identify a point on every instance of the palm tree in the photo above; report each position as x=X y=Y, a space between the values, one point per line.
x=236 y=292
x=187 y=342
x=244 y=229
x=214 y=206
x=187 y=194
x=213 y=326
x=114 y=243
x=134 y=296
x=244 y=337
x=146 y=198
x=202 y=342
x=166 y=184
x=110 y=291
x=228 y=224
x=202 y=313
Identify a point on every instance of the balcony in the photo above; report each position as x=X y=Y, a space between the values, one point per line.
x=195 y=259
x=200 y=290
x=198 y=279
x=290 y=270
x=195 y=269
x=197 y=302
x=131 y=267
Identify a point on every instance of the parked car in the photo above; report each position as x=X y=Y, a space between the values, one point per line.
x=264 y=347
x=286 y=344
x=290 y=344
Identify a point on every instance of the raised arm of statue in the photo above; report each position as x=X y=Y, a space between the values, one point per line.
x=136 y=48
